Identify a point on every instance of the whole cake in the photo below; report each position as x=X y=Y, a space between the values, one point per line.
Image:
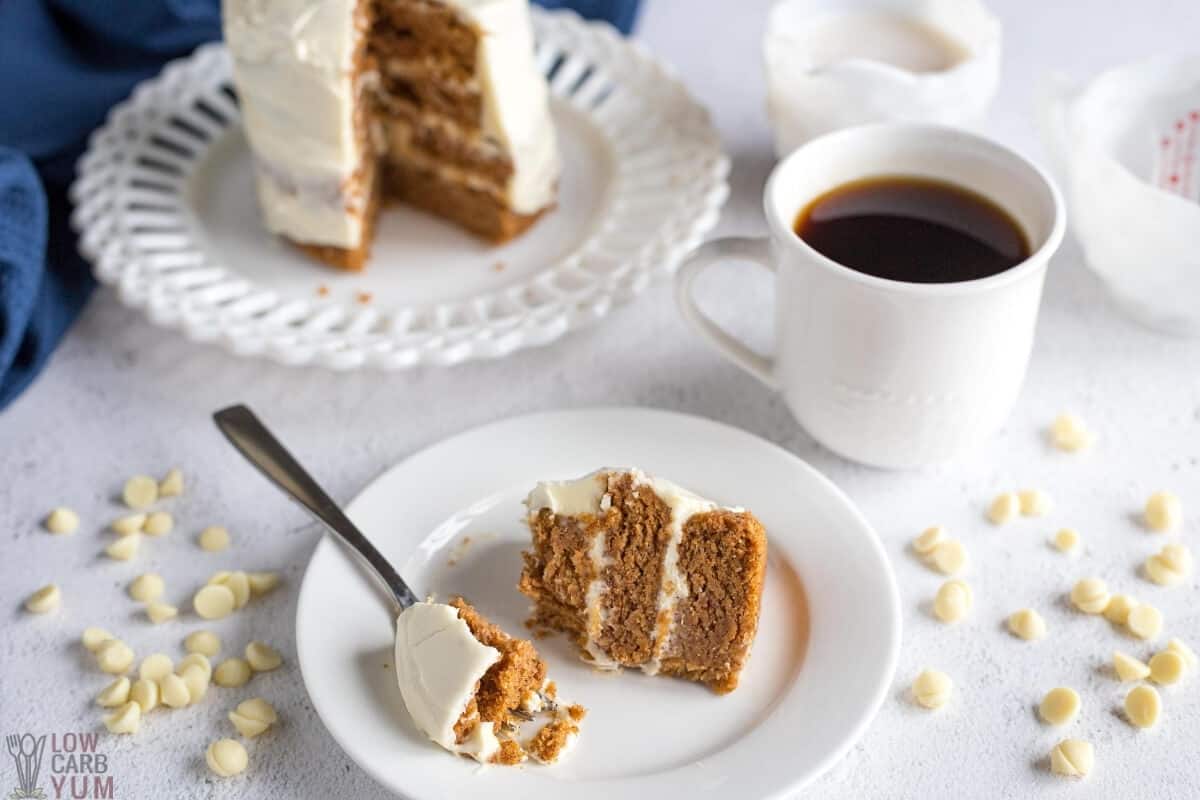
x=469 y=686
x=351 y=103
x=643 y=573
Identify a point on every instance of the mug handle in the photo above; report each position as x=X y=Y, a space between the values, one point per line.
x=757 y=251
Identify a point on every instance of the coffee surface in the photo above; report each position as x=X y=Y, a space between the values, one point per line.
x=915 y=230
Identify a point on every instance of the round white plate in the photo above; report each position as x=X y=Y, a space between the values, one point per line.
x=811 y=686
x=166 y=211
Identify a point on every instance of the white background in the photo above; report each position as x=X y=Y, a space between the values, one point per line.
x=122 y=396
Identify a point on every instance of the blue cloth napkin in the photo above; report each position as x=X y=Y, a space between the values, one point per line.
x=63 y=64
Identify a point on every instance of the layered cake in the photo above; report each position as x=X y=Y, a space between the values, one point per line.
x=642 y=573
x=348 y=104
x=469 y=686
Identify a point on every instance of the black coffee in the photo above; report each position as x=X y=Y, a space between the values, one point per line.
x=915 y=230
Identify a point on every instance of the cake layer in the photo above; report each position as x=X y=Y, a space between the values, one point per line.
x=645 y=574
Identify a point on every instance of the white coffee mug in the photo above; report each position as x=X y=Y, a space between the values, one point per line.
x=884 y=372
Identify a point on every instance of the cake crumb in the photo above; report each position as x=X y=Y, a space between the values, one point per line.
x=322 y=291
x=499 y=266
x=363 y=298
x=510 y=753
x=458 y=551
x=556 y=736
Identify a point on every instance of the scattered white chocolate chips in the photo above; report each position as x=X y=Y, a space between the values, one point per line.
x=93 y=637
x=1129 y=668
x=232 y=673
x=226 y=757
x=1171 y=566
x=1167 y=667
x=1090 y=595
x=62 y=520
x=1027 y=624
x=1186 y=653
x=949 y=557
x=238 y=583
x=114 y=657
x=125 y=548
x=1069 y=434
x=1059 y=706
x=158 y=523
x=130 y=523
x=1143 y=706
x=213 y=602
x=932 y=688
x=205 y=643
x=1072 y=758
x=196 y=678
x=147 y=588
x=927 y=540
x=115 y=694
x=198 y=661
x=126 y=719
x=1067 y=540
x=214 y=538
x=161 y=612
x=953 y=601
x=144 y=692
x=1034 y=503
x=171 y=485
x=156 y=667
x=44 y=600
x=262 y=657
x=1004 y=508
x=1145 y=622
x=140 y=492
x=1118 y=608
x=262 y=582
x=253 y=717
x=173 y=691
x=1164 y=512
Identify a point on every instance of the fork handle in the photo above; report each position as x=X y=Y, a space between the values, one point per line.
x=263 y=450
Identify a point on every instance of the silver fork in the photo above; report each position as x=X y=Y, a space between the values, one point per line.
x=14 y=750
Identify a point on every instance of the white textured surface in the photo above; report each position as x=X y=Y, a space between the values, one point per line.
x=123 y=396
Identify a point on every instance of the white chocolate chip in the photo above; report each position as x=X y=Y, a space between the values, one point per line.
x=953 y=601
x=62 y=520
x=94 y=637
x=1118 y=608
x=44 y=600
x=232 y=673
x=1067 y=540
x=1059 y=706
x=196 y=678
x=130 y=523
x=226 y=758
x=1070 y=434
x=262 y=657
x=928 y=539
x=171 y=485
x=239 y=584
x=147 y=588
x=1027 y=624
x=1090 y=595
x=1143 y=706
x=115 y=694
x=114 y=657
x=248 y=728
x=213 y=538
x=262 y=582
x=1003 y=508
x=1164 y=512
x=124 y=548
x=126 y=719
x=1129 y=668
x=203 y=642
x=949 y=557
x=1145 y=622
x=156 y=667
x=196 y=660
x=173 y=691
x=1171 y=566
x=932 y=688
x=158 y=523
x=213 y=602
x=1167 y=667
x=140 y=492
x=161 y=612
x=145 y=694
x=1034 y=503
x=1158 y=571
x=1188 y=655
x=253 y=717
x=1072 y=758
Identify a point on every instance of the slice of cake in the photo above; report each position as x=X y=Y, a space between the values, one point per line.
x=643 y=573
x=468 y=686
x=348 y=104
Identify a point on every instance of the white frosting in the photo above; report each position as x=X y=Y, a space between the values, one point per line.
x=438 y=666
x=293 y=67
x=570 y=498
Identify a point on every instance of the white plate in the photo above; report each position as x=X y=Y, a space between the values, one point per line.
x=809 y=689
x=166 y=210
